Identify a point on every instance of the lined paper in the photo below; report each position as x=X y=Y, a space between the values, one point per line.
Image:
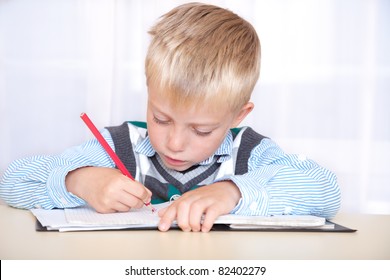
x=86 y=215
x=143 y=216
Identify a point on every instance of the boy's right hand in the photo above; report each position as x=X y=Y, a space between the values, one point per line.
x=107 y=190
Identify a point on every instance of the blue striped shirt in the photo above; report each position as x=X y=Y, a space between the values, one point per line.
x=276 y=182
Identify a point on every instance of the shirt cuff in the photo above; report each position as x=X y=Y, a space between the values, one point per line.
x=255 y=199
x=57 y=190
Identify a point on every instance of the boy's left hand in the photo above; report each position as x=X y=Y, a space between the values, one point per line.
x=208 y=202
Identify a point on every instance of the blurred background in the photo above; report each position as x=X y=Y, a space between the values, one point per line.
x=324 y=87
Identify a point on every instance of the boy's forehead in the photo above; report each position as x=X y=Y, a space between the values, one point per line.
x=163 y=99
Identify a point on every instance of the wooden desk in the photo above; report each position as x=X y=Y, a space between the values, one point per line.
x=19 y=240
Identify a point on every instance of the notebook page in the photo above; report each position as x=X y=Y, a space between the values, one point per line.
x=54 y=217
x=277 y=220
x=86 y=215
x=327 y=225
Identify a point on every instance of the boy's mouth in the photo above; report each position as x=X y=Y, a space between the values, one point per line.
x=173 y=162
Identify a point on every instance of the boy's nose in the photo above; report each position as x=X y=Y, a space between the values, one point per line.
x=176 y=141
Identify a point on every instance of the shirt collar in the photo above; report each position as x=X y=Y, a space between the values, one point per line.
x=224 y=151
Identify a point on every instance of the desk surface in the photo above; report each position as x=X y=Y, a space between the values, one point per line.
x=19 y=240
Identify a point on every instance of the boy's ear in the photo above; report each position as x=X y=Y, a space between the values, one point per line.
x=244 y=111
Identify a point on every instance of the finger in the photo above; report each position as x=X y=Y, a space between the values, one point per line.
x=120 y=207
x=182 y=215
x=168 y=215
x=208 y=220
x=161 y=212
x=138 y=190
x=118 y=199
x=130 y=201
x=195 y=216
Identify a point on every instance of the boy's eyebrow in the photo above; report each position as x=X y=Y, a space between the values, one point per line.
x=209 y=125
x=159 y=111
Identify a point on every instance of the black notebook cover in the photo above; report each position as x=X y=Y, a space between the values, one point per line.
x=222 y=227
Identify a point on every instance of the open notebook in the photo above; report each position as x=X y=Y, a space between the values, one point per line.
x=85 y=218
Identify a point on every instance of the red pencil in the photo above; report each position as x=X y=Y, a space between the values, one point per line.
x=108 y=149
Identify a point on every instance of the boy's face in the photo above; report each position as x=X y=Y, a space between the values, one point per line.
x=185 y=136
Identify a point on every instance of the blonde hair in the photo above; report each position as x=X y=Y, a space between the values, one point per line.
x=202 y=53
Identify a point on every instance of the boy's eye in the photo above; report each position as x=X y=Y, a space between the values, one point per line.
x=202 y=133
x=158 y=121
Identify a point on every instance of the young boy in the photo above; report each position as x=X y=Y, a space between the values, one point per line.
x=201 y=67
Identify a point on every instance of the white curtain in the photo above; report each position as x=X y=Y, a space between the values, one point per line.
x=324 y=86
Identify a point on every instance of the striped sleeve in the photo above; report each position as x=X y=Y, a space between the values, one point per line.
x=279 y=183
x=39 y=181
